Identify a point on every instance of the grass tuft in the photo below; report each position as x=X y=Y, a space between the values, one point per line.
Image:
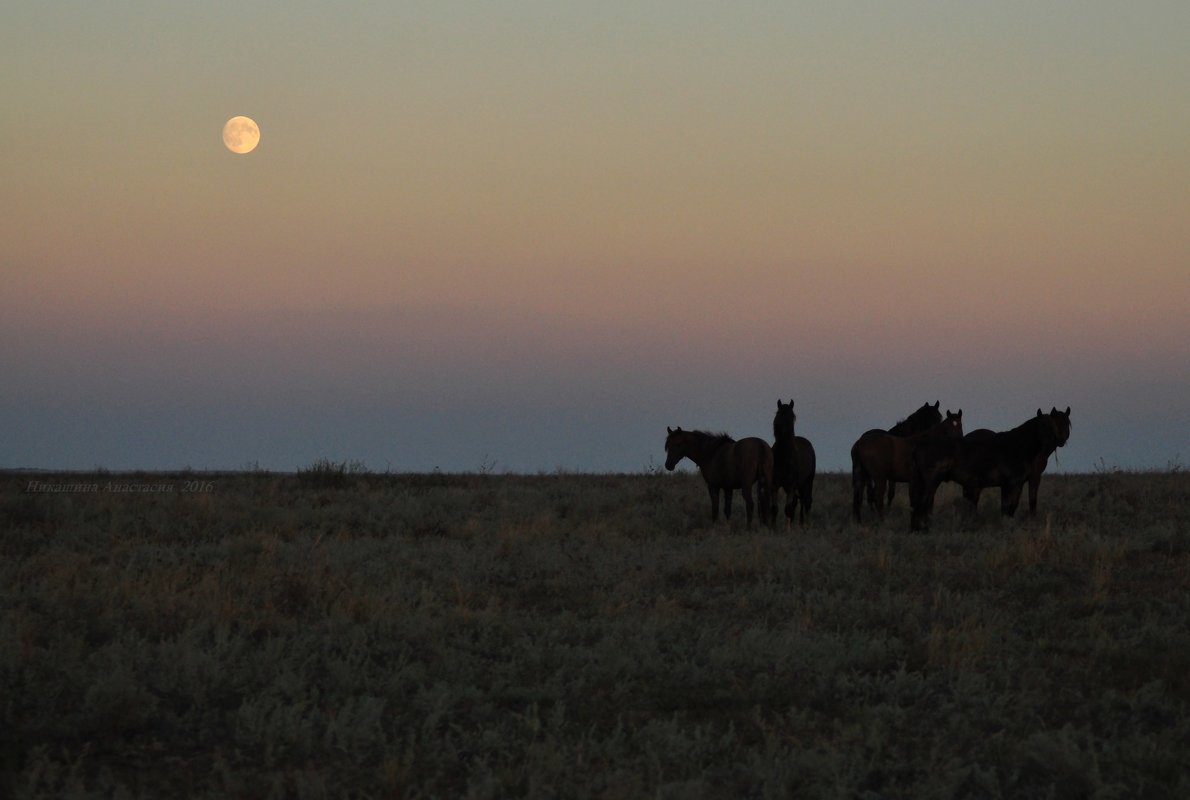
x=327 y=474
x=347 y=633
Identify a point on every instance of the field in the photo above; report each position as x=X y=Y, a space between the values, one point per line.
x=341 y=634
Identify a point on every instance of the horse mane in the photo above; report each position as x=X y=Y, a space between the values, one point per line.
x=914 y=422
x=721 y=437
x=1032 y=422
x=1035 y=432
x=702 y=442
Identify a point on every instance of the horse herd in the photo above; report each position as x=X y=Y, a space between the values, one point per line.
x=923 y=450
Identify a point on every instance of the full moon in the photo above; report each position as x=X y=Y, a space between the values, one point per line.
x=241 y=134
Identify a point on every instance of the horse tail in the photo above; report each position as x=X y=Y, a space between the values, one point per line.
x=806 y=495
x=860 y=481
x=806 y=471
x=764 y=491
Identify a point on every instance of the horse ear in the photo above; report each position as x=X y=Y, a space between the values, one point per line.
x=1039 y=413
x=778 y=403
x=668 y=429
x=936 y=403
x=1068 y=411
x=791 y=402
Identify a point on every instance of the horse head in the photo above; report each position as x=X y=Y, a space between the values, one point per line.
x=784 y=420
x=675 y=446
x=1054 y=426
x=952 y=426
x=924 y=418
x=1060 y=420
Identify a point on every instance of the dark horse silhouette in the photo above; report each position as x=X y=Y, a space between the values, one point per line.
x=919 y=421
x=1007 y=459
x=794 y=464
x=725 y=465
x=879 y=458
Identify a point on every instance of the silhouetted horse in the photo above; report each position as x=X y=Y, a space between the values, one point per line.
x=1006 y=459
x=726 y=465
x=794 y=464
x=919 y=421
x=879 y=458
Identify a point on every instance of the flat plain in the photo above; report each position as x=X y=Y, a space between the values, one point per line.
x=338 y=633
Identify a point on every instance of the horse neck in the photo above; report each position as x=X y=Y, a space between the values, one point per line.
x=784 y=447
x=936 y=431
x=919 y=421
x=704 y=447
x=783 y=435
x=1035 y=435
x=1048 y=438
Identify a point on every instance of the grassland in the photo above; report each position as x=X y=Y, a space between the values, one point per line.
x=343 y=634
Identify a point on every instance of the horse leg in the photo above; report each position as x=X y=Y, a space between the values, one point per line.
x=727 y=493
x=714 y=491
x=879 y=495
x=1034 y=485
x=805 y=496
x=746 y=492
x=892 y=490
x=762 y=501
x=921 y=500
x=765 y=489
x=973 y=497
x=1010 y=498
x=917 y=499
x=859 y=482
x=919 y=520
x=971 y=494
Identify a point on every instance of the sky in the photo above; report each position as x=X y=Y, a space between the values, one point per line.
x=528 y=236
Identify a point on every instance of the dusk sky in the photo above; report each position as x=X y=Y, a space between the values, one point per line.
x=531 y=235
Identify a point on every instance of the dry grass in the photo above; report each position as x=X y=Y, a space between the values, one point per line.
x=338 y=633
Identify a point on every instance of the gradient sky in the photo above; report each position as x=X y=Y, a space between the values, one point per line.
x=533 y=234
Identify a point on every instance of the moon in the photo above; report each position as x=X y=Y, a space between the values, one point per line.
x=241 y=134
